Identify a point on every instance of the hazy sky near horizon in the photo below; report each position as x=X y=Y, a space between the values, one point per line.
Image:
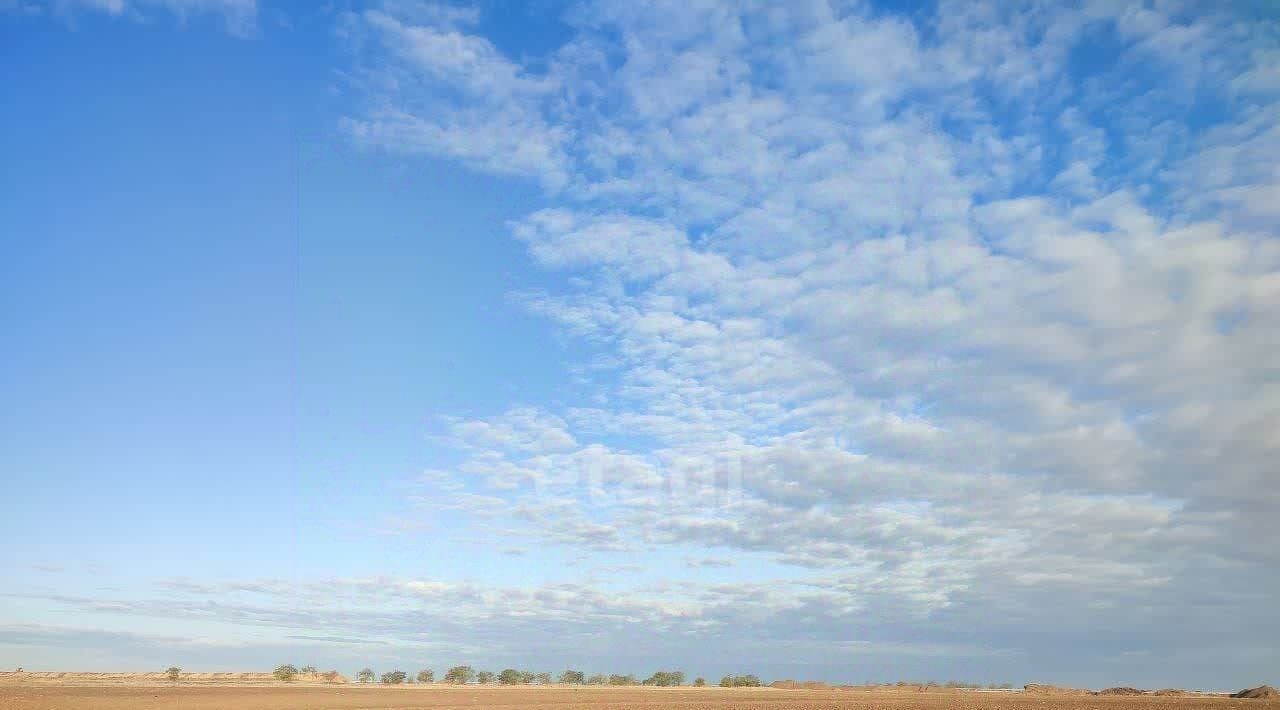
x=846 y=341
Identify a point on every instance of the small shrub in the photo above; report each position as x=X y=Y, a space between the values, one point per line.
x=699 y=682
x=173 y=673
x=365 y=676
x=426 y=675
x=597 y=679
x=484 y=677
x=286 y=673
x=394 y=677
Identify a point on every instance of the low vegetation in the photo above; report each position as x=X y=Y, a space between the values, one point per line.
x=286 y=673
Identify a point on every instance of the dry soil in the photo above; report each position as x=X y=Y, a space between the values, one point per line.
x=49 y=696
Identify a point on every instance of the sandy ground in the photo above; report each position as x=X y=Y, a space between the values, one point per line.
x=47 y=696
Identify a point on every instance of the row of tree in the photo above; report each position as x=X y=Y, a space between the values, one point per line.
x=288 y=672
x=462 y=675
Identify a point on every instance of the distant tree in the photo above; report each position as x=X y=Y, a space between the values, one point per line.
x=509 y=676
x=484 y=677
x=330 y=676
x=365 y=676
x=308 y=669
x=665 y=679
x=426 y=675
x=459 y=675
x=597 y=679
x=527 y=677
x=700 y=682
x=740 y=681
x=394 y=677
x=287 y=672
x=542 y=678
x=623 y=680
x=572 y=677
x=173 y=673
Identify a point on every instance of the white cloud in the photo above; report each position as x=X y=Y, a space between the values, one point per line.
x=969 y=342
x=451 y=93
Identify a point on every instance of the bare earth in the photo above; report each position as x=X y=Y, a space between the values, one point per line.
x=30 y=696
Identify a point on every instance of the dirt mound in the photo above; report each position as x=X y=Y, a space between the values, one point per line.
x=1042 y=689
x=799 y=685
x=1262 y=691
x=1122 y=691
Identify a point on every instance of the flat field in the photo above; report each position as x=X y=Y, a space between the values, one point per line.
x=48 y=696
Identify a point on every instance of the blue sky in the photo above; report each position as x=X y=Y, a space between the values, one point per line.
x=820 y=340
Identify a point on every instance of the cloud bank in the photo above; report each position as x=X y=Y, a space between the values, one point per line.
x=979 y=305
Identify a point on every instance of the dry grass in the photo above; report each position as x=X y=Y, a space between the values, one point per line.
x=47 y=694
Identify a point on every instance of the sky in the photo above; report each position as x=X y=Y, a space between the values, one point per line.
x=821 y=340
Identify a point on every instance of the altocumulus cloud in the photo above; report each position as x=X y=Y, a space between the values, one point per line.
x=974 y=307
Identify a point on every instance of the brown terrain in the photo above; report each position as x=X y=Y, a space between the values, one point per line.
x=257 y=691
